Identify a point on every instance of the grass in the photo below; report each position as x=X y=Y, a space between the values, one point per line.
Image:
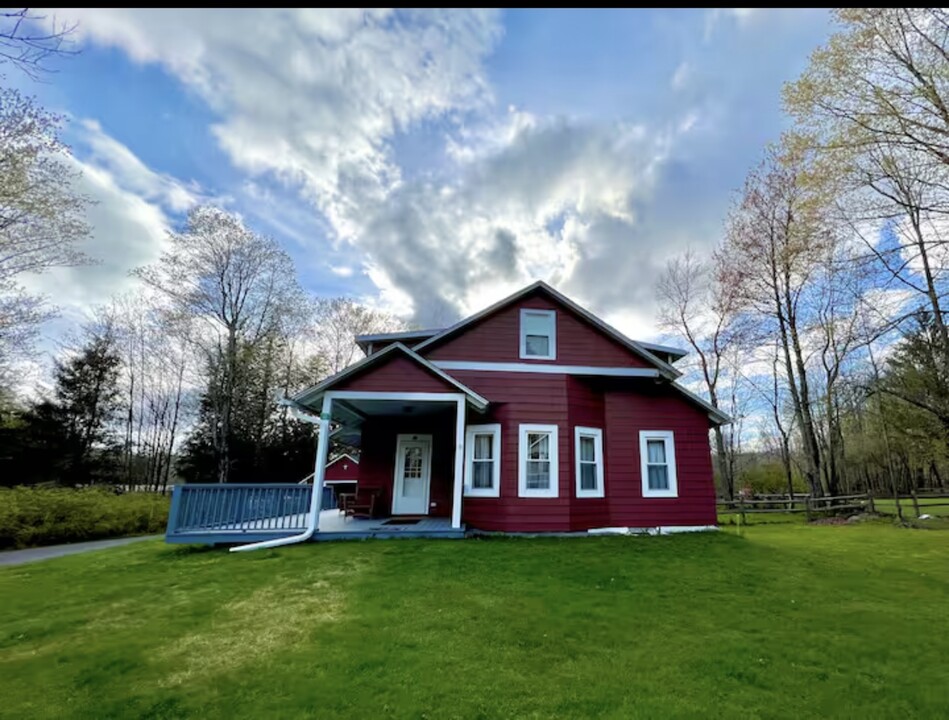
x=30 y=517
x=782 y=621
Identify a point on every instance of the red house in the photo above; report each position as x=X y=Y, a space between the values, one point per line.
x=532 y=415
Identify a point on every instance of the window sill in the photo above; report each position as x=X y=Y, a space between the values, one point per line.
x=481 y=493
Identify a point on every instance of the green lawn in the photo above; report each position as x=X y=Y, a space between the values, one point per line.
x=785 y=621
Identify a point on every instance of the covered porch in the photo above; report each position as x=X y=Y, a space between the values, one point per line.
x=411 y=471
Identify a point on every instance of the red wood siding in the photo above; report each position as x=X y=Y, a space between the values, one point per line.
x=343 y=469
x=396 y=374
x=377 y=460
x=520 y=398
x=621 y=409
x=653 y=407
x=497 y=339
x=585 y=410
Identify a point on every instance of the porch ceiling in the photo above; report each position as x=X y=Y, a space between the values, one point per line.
x=351 y=414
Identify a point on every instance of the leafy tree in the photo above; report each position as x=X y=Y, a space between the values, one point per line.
x=42 y=217
x=69 y=438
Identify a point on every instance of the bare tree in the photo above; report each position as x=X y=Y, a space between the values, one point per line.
x=337 y=323
x=235 y=287
x=775 y=239
x=27 y=40
x=157 y=368
x=696 y=304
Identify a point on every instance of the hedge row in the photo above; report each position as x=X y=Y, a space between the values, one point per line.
x=30 y=517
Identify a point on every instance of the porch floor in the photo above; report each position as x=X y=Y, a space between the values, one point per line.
x=334 y=526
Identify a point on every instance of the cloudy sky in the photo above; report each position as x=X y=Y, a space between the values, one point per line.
x=427 y=162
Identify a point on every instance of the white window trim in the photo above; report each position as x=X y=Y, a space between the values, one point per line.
x=669 y=439
x=522 y=489
x=472 y=430
x=597 y=435
x=552 y=314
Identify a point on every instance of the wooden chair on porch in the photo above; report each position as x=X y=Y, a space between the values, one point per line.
x=360 y=504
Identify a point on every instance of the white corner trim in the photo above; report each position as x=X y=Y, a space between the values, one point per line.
x=552 y=337
x=668 y=438
x=340 y=457
x=493 y=429
x=597 y=435
x=371 y=395
x=543 y=368
x=522 y=489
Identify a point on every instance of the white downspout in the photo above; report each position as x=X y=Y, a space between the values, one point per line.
x=316 y=499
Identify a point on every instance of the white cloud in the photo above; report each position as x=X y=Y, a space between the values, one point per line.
x=554 y=200
x=742 y=17
x=129 y=220
x=318 y=100
x=313 y=97
x=342 y=270
x=681 y=75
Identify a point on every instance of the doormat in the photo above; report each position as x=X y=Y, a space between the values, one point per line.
x=398 y=521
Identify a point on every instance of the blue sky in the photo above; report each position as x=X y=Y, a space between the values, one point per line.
x=428 y=163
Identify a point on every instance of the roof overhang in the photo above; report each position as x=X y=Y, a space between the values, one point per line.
x=714 y=414
x=410 y=337
x=311 y=399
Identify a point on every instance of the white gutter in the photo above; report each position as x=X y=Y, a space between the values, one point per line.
x=316 y=498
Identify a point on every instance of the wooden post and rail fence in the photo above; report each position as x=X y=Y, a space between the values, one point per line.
x=786 y=503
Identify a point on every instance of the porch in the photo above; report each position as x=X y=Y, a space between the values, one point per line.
x=243 y=513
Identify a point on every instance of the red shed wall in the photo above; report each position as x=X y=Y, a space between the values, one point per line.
x=377 y=460
x=343 y=469
x=497 y=339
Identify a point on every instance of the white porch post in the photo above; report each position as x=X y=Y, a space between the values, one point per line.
x=459 y=462
x=322 y=451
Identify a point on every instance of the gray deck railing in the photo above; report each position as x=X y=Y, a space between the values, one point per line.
x=237 y=508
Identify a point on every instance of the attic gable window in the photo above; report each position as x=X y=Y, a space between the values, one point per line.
x=538 y=334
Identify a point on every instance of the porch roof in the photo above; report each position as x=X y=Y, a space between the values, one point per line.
x=312 y=397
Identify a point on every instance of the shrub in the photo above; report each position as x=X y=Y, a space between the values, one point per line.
x=46 y=516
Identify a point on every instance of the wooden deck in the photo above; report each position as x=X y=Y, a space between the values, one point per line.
x=237 y=514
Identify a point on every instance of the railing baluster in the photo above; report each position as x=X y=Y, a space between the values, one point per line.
x=265 y=507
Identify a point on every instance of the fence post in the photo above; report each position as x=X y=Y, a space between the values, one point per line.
x=870 y=500
x=807 y=508
x=915 y=502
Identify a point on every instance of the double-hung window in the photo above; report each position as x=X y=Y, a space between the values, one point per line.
x=588 y=451
x=538 y=334
x=537 y=461
x=483 y=461
x=658 y=463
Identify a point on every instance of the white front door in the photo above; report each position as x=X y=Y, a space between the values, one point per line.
x=413 y=474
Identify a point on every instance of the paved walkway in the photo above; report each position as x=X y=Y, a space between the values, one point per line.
x=19 y=557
